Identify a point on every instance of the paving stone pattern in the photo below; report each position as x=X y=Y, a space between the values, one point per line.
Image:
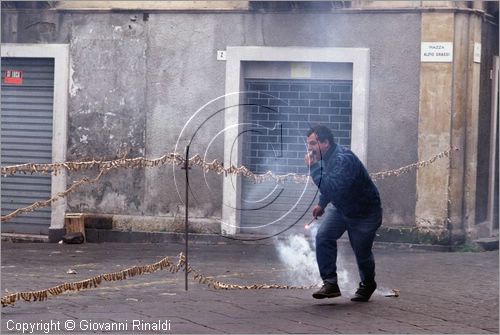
x=451 y=293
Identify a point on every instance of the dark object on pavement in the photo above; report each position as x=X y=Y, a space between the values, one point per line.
x=394 y=293
x=73 y=238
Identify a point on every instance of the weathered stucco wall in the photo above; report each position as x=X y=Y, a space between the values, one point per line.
x=135 y=82
x=489 y=43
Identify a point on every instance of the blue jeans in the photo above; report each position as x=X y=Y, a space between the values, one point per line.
x=361 y=235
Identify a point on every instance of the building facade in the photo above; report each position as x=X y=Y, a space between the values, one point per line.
x=241 y=82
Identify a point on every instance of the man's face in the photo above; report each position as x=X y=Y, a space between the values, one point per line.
x=318 y=148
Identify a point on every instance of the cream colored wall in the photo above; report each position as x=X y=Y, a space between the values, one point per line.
x=434 y=126
x=448 y=116
x=472 y=127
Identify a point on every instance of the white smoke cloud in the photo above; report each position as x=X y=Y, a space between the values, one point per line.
x=300 y=260
x=297 y=253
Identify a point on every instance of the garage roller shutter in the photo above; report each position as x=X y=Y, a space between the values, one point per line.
x=26 y=125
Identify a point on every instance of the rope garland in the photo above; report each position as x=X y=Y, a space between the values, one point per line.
x=175 y=159
x=48 y=202
x=415 y=166
x=164 y=263
x=139 y=162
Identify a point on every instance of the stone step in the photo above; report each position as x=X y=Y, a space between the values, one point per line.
x=487 y=243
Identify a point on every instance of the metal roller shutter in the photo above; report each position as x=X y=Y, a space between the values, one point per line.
x=26 y=125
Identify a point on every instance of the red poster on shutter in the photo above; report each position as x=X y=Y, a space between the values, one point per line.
x=13 y=77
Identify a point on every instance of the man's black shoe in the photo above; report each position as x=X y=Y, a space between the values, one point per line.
x=328 y=290
x=364 y=292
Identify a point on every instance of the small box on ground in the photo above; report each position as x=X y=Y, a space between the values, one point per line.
x=75 y=223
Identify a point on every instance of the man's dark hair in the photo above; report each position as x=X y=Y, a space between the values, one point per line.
x=322 y=132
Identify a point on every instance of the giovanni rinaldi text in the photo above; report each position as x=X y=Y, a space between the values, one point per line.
x=47 y=327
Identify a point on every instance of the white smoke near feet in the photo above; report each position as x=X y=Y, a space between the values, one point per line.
x=300 y=260
x=297 y=253
x=348 y=281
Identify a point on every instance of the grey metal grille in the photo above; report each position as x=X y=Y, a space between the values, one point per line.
x=280 y=112
x=26 y=136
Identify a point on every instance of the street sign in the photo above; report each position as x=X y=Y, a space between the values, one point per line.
x=440 y=52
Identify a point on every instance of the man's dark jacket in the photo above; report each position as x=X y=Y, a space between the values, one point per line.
x=344 y=181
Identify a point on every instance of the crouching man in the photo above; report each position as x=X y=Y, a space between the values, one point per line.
x=344 y=182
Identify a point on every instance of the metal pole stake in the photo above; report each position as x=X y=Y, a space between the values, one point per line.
x=186 y=224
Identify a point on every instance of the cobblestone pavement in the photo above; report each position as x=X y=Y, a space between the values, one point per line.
x=441 y=292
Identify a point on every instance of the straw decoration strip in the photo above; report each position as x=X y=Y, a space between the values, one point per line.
x=163 y=264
